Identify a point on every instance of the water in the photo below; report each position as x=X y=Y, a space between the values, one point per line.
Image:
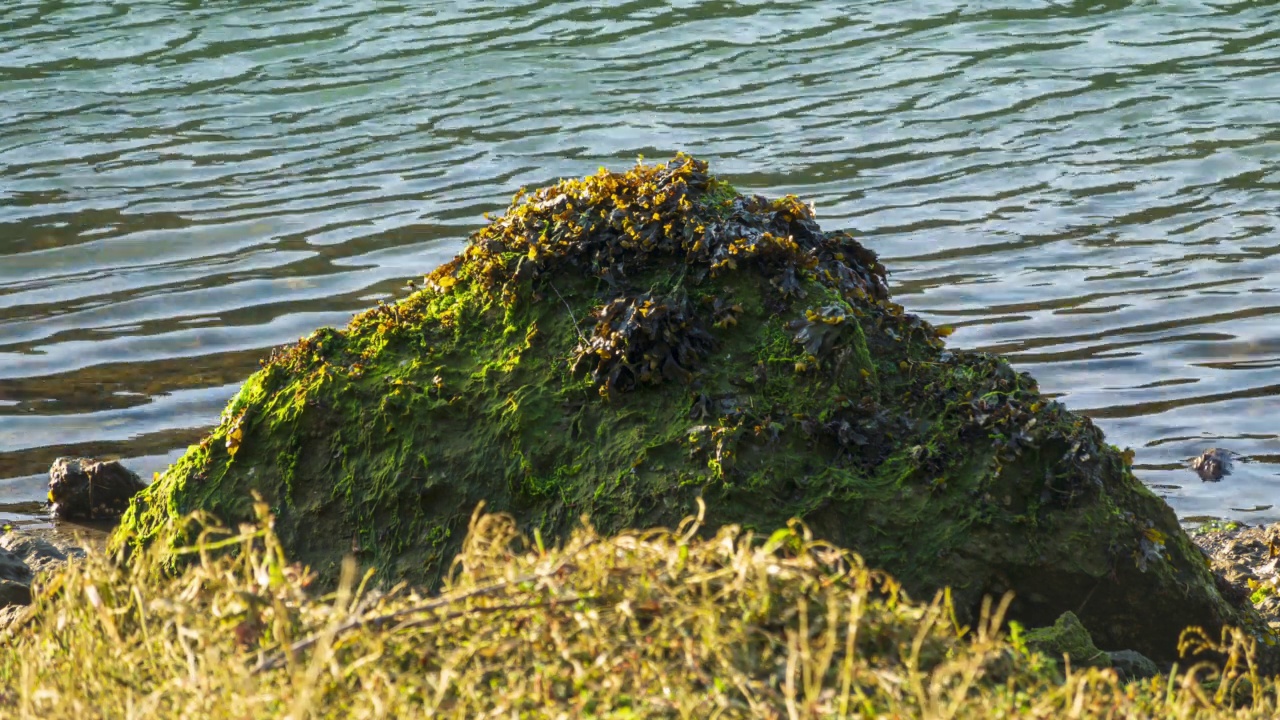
x=1092 y=188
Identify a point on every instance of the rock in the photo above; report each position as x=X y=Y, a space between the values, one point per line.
x=618 y=346
x=38 y=553
x=1067 y=636
x=1130 y=665
x=21 y=557
x=14 y=593
x=85 y=489
x=15 y=579
x=1245 y=561
x=1213 y=464
x=13 y=568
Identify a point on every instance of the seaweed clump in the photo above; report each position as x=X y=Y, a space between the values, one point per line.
x=622 y=344
x=643 y=340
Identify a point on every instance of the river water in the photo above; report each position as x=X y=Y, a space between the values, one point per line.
x=1092 y=188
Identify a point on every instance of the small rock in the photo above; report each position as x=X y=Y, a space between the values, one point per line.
x=1067 y=636
x=86 y=489
x=1213 y=464
x=1234 y=572
x=21 y=557
x=13 y=569
x=38 y=553
x=14 y=593
x=15 y=580
x=1130 y=665
x=1245 y=546
x=1269 y=607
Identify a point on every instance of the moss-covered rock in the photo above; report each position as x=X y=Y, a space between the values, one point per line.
x=621 y=344
x=1067 y=637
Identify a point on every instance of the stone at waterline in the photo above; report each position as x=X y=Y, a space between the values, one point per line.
x=15 y=580
x=86 y=489
x=1213 y=464
x=38 y=553
x=22 y=555
x=621 y=344
x=14 y=593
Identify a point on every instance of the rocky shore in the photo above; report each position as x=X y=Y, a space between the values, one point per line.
x=1244 y=561
x=25 y=554
x=623 y=352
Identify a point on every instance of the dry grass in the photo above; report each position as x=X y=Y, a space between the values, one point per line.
x=642 y=624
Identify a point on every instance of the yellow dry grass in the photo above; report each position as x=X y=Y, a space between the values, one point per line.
x=642 y=624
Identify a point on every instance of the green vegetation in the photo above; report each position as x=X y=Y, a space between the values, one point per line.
x=1068 y=637
x=640 y=624
x=1213 y=526
x=623 y=344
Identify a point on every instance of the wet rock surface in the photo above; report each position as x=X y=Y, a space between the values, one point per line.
x=87 y=489
x=620 y=345
x=23 y=555
x=40 y=554
x=1213 y=464
x=15 y=580
x=1244 y=561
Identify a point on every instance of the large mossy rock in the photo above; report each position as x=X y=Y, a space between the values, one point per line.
x=621 y=344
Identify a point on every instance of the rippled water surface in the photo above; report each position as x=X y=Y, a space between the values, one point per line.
x=1090 y=187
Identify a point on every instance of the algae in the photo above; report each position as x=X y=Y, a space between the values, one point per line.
x=622 y=344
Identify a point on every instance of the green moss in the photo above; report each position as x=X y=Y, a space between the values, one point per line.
x=618 y=345
x=1067 y=637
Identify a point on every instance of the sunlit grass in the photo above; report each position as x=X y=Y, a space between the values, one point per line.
x=642 y=624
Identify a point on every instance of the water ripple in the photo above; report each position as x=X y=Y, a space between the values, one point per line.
x=1089 y=187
